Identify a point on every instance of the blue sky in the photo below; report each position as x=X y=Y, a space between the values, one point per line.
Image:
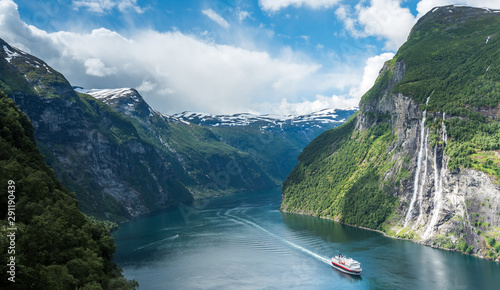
x=227 y=56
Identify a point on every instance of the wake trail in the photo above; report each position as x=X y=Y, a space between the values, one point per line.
x=293 y=245
x=157 y=242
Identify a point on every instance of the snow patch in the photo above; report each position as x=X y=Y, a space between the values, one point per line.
x=268 y=121
x=10 y=54
x=110 y=94
x=47 y=68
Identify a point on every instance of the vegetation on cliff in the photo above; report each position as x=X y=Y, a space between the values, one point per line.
x=362 y=174
x=455 y=57
x=338 y=176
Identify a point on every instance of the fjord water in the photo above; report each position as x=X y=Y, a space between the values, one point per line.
x=244 y=242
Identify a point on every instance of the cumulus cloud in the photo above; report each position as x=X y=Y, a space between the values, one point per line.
x=104 y=6
x=386 y=19
x=306 y=107
x=382 y=18
x=95 y=67
x=177 y=72
x=370 y=73
x=276 y=5
x=216 y=17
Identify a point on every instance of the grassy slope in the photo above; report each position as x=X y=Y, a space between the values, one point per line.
x=208 y=166
x=338 y=176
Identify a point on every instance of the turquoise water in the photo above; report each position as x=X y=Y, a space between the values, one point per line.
x=245 y=242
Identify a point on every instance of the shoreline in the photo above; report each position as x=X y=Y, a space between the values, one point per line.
x=393 y=237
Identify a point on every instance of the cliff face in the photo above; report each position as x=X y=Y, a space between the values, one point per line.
x=424 y=146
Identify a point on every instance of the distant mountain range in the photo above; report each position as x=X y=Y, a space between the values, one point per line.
x=123 y=159
x=317 y=119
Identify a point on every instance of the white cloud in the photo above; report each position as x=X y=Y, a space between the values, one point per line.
x=305 y=38
x=242 y=15
x=104 y=6
x=370 y=73
x=147 y=86
x=382 y=18
x=306 y=107
x=216 y=17
x=95 y=67
x=386 y=19
x=177 y=72
x=276 y=5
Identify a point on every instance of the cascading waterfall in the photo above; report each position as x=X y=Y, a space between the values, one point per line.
x=445 y=135
x=419 y=165
x=421 y=190
x=437 y=196
x=438 y=185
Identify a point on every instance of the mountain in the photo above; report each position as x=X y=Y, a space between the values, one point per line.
x=318 y=119
x=121 y=163
x=420 y=160
x=274 y=142
x=124 y=159
x=46 y=242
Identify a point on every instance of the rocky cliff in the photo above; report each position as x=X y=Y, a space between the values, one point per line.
x=420 y=160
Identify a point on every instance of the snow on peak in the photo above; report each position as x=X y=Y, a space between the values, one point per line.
x=324 y=116
x=10 y=54
x=109 y=94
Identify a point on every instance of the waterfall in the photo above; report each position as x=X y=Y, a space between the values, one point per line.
x=445 y=135
x=438 y=192
x=438 y=183
x=419 y=165
x=421 y=190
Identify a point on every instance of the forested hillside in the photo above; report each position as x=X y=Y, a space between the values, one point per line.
x=55 y=245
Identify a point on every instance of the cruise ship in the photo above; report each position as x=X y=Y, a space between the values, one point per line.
x=346 y=265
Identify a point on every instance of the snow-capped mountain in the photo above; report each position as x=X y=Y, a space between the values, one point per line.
x=129 y=101
x=320 y=119
x=271 y=142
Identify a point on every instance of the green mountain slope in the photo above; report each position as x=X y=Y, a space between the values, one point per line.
x=420 y=159
x=274 y=142
x=55 y=246
x=205 y=165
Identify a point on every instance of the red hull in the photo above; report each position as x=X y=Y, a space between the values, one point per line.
x=345 y=270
